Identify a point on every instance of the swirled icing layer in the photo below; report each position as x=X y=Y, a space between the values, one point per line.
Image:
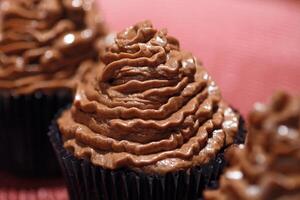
x=44 y=42
x=150 y=106
x=268 y=166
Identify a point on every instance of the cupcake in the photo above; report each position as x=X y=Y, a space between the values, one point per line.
x=267 y=167
x=45 y=45
x=146 y=123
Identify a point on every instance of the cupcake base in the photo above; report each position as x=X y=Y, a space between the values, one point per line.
x=25 y=149
x=88 y=182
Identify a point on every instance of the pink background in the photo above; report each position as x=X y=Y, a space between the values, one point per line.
x=250 y=47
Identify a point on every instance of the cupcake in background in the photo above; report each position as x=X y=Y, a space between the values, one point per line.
x=45 y=45
x=148 y=123
x=267 y=167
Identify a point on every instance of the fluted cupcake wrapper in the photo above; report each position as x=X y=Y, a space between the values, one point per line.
x=24 y=120
x=88 y=182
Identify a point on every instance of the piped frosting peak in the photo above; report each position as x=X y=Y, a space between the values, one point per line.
x=149 y=106
x=267 y=167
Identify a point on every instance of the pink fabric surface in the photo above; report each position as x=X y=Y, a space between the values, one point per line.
x=250 y=47
x=13 y=188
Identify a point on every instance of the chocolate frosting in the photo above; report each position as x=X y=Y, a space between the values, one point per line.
x=268 y=166
x=44 y=43
x=150 y=106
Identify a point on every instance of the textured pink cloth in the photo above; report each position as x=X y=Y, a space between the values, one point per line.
x=250 y=47
x=12 y=188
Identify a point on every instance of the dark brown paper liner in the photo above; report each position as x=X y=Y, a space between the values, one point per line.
x=88 y=182
x=25 y=149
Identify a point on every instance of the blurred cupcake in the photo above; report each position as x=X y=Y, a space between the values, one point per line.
x=148 y=123
x=268 y=166
x=45 y=45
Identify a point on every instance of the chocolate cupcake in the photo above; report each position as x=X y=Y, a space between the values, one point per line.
x=45 y=45
x=267 y=167
x=148 y=123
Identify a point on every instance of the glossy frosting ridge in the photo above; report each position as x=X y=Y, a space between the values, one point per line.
x=150 y=106
x=43 y=43
x=267 y=167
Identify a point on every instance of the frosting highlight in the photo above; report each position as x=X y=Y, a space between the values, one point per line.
x=150 y=106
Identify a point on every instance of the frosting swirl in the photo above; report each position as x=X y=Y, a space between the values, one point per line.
x=150 y=106
x=267 y=167
x=44 y=42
